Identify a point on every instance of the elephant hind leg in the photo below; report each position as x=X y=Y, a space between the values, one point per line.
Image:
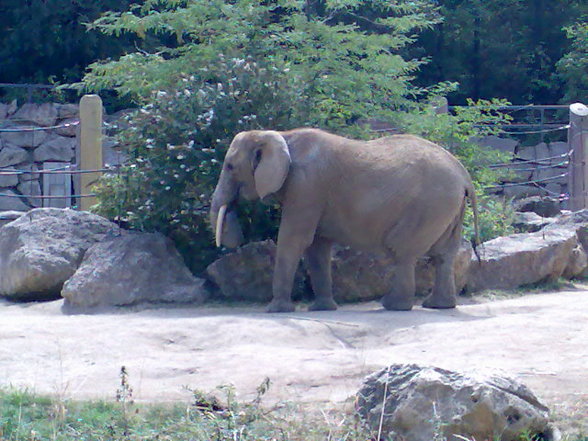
x=443 y=295
x=443 y=255
x=401 y=295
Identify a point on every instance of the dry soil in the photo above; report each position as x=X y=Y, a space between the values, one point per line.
x=313 y=357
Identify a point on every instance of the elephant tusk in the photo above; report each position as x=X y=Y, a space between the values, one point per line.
x=219 y=225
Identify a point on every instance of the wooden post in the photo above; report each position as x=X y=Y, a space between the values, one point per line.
x=90 y=152
x=578 y=144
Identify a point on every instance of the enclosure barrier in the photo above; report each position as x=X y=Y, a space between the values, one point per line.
x=88 y=165
x=578 y=142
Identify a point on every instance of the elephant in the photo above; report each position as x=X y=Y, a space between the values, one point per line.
x=400 y=195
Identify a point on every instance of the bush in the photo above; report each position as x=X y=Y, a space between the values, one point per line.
x=177 y=142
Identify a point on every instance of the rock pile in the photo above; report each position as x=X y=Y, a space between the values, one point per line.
x=50 y=253
x=554 y=247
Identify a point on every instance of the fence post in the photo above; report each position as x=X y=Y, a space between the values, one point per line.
x=578 y=144
x=90 y=152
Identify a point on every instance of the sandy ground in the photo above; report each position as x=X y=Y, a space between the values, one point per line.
x=542 y=339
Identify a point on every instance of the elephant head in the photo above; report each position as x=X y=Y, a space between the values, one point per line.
x=255 y=166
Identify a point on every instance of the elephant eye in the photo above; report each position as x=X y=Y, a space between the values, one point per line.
x=230 y=166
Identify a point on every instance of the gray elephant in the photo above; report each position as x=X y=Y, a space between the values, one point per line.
x=400 y=195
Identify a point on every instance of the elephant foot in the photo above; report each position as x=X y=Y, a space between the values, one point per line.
x=439 y=302
x=396 y=304
x=323 y=305
x=280 y=306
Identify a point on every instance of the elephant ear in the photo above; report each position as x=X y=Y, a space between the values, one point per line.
x=273 y=162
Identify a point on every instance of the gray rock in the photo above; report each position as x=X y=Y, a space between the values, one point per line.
x=359 y=276
x=530 y=222
x=8 y=177
x=560 y=149
x=131 y=269
x=3 y=111
x=12 y=201
x=67 y=127
x=246 y=273
x=43 y=248
x=30 y=189
x=11 y=155
x=522 y=191
x=543 y=206
x=520 y=259
x=30 y=172
x=8 y=216
x=40 y=114
x=65 y=111
x=56 y=148
x=24 y=139
x=505 y=145
x=428 y=403
x=542 y=153
x=112 y=153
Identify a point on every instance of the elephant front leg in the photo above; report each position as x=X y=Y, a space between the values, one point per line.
x=318 y=262
x=401 y=295
x=443 y=295
x=294 y=237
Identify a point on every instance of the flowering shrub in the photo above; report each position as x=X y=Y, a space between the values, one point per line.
x=177 y=142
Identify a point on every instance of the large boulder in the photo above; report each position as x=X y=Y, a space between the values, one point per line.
x=543 y=206
x=43 y=248
x=359 y=276
x=416 y=403
x=8 y=216
x=130 y=269
x=246 y=273
x=521 y=259
x=530 y=222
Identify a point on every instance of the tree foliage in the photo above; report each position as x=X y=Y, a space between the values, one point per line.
x=573 y=67
x=46 y=40
x=500 y=48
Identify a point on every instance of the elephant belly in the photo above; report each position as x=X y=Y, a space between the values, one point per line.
x=408 y=229
x=364 y=232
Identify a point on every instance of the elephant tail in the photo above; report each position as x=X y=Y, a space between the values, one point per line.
x=471 y=194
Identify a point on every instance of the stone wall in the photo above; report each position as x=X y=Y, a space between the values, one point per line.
x=543 y=164
x=51 y=144
x=22 y=153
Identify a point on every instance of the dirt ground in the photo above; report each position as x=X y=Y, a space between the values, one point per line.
x=312 y=357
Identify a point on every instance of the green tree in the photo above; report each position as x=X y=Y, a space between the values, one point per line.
x=43 y=41
x=500 y=48
x=573 y=67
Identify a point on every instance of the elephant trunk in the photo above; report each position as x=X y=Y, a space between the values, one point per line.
x=223 y=219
